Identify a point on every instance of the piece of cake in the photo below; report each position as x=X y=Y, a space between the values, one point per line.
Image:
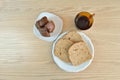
x=45 y=27
x=50 y=26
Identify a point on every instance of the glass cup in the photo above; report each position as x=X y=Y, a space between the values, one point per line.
x=84 y=20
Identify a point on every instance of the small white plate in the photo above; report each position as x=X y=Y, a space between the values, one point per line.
x=68 y=66
x=58 y=26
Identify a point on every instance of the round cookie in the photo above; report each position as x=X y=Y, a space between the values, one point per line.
x=79 y=53
x=61 y=49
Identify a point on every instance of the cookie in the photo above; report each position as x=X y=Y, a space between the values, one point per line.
x=79 y=53
x=61 y=49
x=73 y=36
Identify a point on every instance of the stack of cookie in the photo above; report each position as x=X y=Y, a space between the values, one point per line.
x=71 y=48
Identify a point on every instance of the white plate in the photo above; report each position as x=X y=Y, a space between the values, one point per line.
x=69 y=67
x=58 y=26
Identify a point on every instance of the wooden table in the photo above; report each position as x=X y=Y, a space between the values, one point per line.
x=25 y=57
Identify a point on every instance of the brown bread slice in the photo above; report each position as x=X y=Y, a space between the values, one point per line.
x=79 y=53
x=61 y=49
x=73 y=36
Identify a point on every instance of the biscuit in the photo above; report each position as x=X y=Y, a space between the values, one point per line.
x=73 y=36
x=61 y=49
x=79 y=53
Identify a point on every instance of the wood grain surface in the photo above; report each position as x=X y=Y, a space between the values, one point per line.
x=25 y=57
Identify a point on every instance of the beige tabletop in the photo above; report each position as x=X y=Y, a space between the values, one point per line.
x=25 y=57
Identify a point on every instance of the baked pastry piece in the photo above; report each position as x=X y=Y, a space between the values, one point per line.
x=42 y=22
x=44 y=32
x=79 y=53
x=61 y=49
x=50 y=26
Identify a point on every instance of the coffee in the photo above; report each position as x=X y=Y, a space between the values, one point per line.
x=83 y=20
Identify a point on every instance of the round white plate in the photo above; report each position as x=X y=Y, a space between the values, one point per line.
x=68 y=66
x=58 y=26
